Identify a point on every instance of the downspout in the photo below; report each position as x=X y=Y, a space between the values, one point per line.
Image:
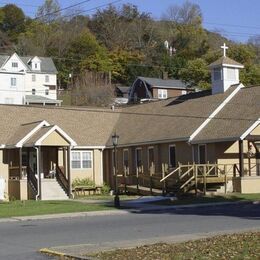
x=71 y=195
x=38 y=173
x=101 y=166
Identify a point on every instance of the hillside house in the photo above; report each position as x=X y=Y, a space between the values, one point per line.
x=145 y=88
x=28 y=80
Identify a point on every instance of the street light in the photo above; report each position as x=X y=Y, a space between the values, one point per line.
x=115 y=138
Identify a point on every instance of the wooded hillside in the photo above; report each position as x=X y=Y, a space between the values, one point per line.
x=124 y=42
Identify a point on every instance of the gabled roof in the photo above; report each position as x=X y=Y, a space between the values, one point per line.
x=167 y=83
x=234 y=119
x=226 y=61
x=47 y=64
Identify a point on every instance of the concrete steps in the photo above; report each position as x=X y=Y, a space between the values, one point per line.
x=51 y=190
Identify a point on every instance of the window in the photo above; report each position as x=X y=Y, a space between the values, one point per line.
x=35 y=65
x=172 y=156
x=9 y=101
x=86 y=160
x=14 y=64
x=162 y=93
x=217 y=74
x=125 y=159
x=184 y=92
x=33 y=91
x=150 y=159
x=33 y=78
x=138 y=159
x=202 y=154
x=47 y=78
x=76 y=162
x=81 y=159
x=231 y=74
x=46 y=92
x=13 y=82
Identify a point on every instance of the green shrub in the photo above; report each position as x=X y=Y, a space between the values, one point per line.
x=83 y=182
x=105 y=189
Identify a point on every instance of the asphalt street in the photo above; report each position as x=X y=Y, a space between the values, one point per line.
x=22 y=239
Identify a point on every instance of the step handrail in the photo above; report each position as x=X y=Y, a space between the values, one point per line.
x=61 y=178
x=170 y=174
x=185 y=173
x=187 y=182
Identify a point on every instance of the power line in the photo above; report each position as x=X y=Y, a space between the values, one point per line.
x=62 y=9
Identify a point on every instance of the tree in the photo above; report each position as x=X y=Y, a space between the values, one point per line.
x=196 y=74
x=49 y=11
x=92 y=88
x=12 y=20
x=184 y=30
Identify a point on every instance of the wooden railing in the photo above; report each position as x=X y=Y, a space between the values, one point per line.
x=14 y=172
x=32 y=179
x=61 y=178
x=191 y=175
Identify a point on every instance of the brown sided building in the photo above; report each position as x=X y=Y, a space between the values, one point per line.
x=197 y=142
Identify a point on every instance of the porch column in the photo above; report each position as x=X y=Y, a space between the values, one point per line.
x=39 y=171
x=241 y=158
x=64 y=162
x=20 y=163
x=68 y=169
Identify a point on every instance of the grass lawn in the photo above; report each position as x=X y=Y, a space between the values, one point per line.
x=236 y=246
x=32 y=207
x=208 y=199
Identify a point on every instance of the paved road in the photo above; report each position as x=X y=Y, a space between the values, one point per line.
x=21 y=240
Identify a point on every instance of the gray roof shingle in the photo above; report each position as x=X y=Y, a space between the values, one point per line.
x=167 y=83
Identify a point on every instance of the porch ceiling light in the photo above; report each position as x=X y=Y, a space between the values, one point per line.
x=115 y=138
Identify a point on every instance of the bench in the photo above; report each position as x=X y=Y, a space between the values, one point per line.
x=82 y=190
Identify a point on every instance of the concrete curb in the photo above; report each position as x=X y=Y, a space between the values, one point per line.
x=81 y=251
x=138 y=208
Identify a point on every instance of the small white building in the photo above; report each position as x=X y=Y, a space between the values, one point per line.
x=28 y=80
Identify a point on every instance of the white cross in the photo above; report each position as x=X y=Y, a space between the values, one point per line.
x=224 y=47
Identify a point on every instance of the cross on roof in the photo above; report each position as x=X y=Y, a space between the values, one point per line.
x=224 y=47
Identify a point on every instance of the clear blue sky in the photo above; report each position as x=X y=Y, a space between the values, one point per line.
x=236 y=19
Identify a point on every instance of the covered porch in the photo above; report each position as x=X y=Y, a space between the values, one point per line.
x=40 y=168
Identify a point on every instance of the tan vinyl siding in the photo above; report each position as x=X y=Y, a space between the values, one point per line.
x=55 y=139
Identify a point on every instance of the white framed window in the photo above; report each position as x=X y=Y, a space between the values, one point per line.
x=75 y=160
x=138 y=159
x=9 y=101
x=86 y=160
x=172 y=156
x=33 y=78
x=126 y=160
x=46 y=92
x=13 y=82
x=47 y=78
x=33 y=91
x=162 y=93
x=81 y=159
x=150 y=155
x=35 y=65
x=184 y=92
x=14 y=64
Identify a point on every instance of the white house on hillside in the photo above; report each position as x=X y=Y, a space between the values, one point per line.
x=28 y=80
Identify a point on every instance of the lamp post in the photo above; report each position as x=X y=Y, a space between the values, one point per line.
x=115 y=138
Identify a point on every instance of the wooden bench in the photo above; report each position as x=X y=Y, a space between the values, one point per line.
x=82 y=190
